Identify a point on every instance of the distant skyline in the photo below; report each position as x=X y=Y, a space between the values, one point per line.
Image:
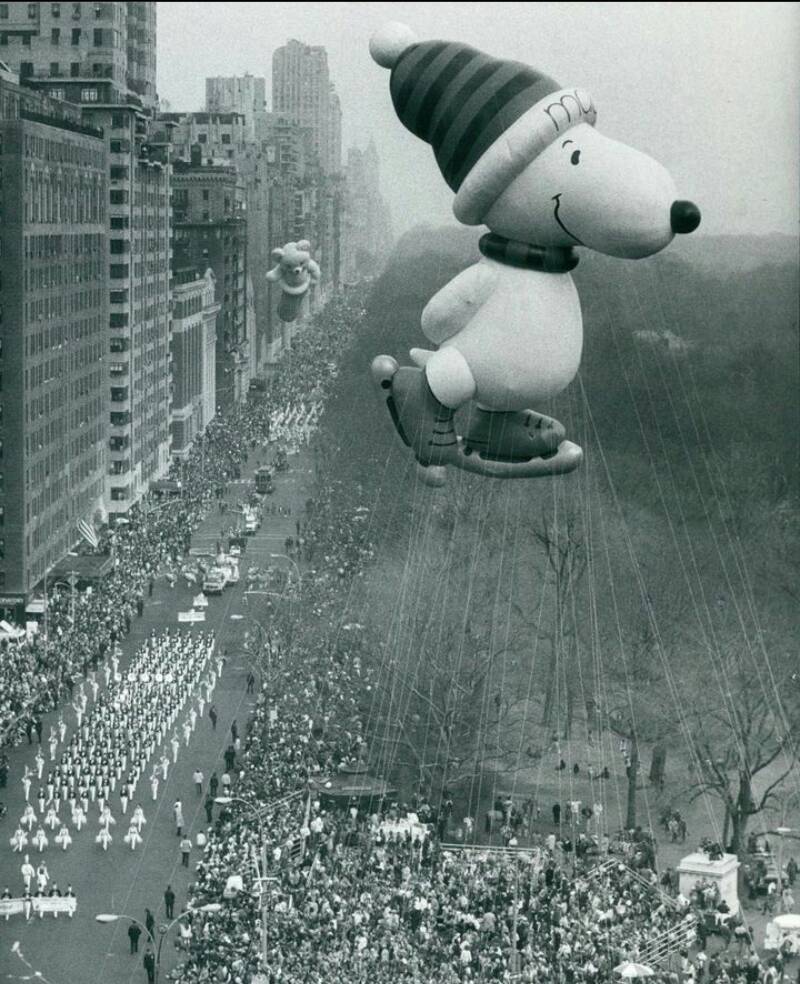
x=712 y=90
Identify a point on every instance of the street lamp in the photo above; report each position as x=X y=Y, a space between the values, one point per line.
x=110 y=917
x=73 y=580
x=280 y=556
x=781 y=832
x=259 y=815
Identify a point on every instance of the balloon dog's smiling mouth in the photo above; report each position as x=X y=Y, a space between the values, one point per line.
x=557 y=200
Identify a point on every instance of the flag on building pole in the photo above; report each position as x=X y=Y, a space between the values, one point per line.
x=86 y=530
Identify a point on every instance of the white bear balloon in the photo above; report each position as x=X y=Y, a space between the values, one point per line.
x=523 y=157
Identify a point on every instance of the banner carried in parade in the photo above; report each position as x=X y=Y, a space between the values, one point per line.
x=55 y=904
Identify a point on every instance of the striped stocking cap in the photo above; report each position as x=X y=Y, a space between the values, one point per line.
x=485 y=118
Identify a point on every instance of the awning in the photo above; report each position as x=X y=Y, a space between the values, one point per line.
x=89 y=567
x=35 y=607
x=342 y=787
x=166 y=486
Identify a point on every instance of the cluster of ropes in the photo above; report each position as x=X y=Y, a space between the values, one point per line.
x=565 y=649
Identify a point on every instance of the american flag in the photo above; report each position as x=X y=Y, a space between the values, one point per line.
x=86 y=530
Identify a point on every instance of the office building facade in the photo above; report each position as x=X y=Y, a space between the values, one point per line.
x=210 y=230
x=54 y=286
x=193 y=344
x=102 y=57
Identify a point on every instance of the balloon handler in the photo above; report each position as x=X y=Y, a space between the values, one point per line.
x=523 y=158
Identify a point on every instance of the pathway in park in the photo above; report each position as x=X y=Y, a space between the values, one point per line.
x=81 y=950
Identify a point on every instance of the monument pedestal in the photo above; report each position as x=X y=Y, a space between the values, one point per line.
x=696 y=868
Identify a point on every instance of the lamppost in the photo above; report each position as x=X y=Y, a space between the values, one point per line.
x=781 y=832
x=73 y=580
x=264 y=878
x=110 y=917
x=266 y=645
x=280 y=556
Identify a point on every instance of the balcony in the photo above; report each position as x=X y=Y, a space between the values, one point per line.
x=119 y=467
x=120 y=394
x=119 y=443
x=120 y=418
x=119 y=368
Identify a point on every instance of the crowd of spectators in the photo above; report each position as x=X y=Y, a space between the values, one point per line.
x=82 y=626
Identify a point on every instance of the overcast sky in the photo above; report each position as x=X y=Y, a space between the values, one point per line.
x=710 y=89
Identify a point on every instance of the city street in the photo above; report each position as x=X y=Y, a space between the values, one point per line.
x=81 y=950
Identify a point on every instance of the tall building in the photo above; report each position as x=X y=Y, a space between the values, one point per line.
x=219 y=138
x=141 y=49
x=83 y=42
x=210 y=230
x=367 y=236
x=193 y=344
x=333 y=162
x=54 y=278
x=242 y=94
x=303 y=93
x=102 y=56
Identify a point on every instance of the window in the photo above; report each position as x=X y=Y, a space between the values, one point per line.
x=75 y=69
x=57 y=93
x=55 y=70
x=76 y=35
x=3 y=38
x=205 y=194
x=55 y=35
x=119 y=121
x=55 y=9
x=202 y=138
x=226 y=138
x=32 y=11
x=3 y=11
x=88 y=95
x=2 y=515
x=26 y=40
x=98 y=37
x=76 y=11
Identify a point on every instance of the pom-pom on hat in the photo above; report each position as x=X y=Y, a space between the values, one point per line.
x=485 y=118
